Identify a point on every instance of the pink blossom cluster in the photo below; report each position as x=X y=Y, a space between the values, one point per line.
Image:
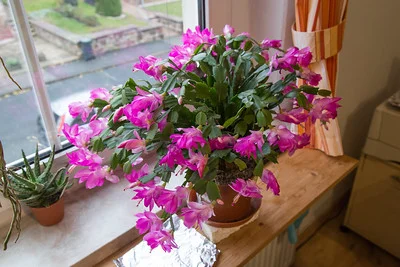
x=191 y=139
x=322 y=109
x=152 y=194
x=181 y=54
x=183 y=146
x=151 y=66
x=84 y=108
x=94 y=172
x=141 y=111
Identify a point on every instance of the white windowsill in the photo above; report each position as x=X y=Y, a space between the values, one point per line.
x=97 y=222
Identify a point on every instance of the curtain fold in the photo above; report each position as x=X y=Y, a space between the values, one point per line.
x=320 y=25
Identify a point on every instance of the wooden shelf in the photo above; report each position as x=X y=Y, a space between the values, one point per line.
x=303 y=179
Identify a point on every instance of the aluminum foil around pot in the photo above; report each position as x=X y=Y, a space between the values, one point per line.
x=194 y=249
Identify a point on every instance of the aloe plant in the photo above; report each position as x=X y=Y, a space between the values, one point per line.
x=39 y=187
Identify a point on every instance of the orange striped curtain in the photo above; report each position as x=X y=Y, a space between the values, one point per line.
x=320 y=26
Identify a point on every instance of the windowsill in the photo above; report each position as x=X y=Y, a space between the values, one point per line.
x=97 y=222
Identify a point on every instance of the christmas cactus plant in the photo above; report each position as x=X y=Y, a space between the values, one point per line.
x=211 y=113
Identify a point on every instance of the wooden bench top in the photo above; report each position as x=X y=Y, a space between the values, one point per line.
x=303 y=178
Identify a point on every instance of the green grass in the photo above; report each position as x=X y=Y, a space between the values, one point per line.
x=34 y=5
x=68 y=24
x=173 y=8
x=75 y=26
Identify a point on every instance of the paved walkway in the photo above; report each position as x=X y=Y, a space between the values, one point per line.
x=21 y=126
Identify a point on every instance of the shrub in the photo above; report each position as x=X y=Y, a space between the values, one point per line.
x=90 y=2
x=90 y=21
x=70 y=11
x=110 y=8
x=71 y=2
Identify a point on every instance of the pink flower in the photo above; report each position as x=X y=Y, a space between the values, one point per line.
x=196 y=213
x=310 y=77
x=289 y=88
x=78 y=136
x=80 y=108
x=146 y=100
x=198 y=36
x=135 y=145
x=149 y=193
x=191 y=138
x=228 y=30
x=265 y=55
x=95 y=176
x=324 y=109
x=222 y=142
x=247 y=146
x=139 y=112
x=174 y=156
x=151 y=66
x=98 y=126
x=84 y=108
x=180 y=55
x=135 y=175
x=171 y=200
x=269 y=179
x=266 y=43
x=197 y=162
x=101 y=93
x=160 y=238
x=286 y=140
x=118 y=114
x=148 y=221
x=244 y=34
x=296 y=116
x=246 y=188
x=143 y=119
x=84 y=157
x=162 y=123
x=292 y=57
x=304 y=57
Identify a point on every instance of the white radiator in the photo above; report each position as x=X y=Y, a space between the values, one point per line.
x=278 y=253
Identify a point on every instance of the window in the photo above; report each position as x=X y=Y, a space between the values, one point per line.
x=69 y=48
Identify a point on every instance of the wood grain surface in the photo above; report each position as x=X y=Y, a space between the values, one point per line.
x=304 y=178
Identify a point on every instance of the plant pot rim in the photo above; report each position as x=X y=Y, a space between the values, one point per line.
x=255 y=206
x=48 y=206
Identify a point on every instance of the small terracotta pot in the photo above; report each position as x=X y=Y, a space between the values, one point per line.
x=50 y=215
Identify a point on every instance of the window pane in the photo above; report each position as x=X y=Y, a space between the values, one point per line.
x=82 y=46
x=21 y=125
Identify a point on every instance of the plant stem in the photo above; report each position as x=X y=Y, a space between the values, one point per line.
x=8 y=73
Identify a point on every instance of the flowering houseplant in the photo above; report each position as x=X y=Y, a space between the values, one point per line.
x=211 y=111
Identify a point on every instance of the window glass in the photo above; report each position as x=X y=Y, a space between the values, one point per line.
x=81 y=45
x=20 y=121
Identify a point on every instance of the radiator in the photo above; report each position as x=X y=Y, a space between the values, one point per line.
x=279 y=253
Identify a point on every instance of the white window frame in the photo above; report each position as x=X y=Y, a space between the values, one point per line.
x=35 y=71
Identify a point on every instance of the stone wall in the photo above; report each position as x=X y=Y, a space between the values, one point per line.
x=172 y=23
x=124 y=37
x=101 y=42
x=63 y=39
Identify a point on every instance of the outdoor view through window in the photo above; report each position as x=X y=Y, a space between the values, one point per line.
x=81 y=45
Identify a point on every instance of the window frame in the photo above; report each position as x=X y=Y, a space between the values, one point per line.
x=34 y=71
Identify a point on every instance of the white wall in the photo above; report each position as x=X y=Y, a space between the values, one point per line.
x=369 y=70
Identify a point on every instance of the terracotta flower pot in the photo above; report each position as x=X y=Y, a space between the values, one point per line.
x=227 y=212
x=227 y=215
x=50 y=215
